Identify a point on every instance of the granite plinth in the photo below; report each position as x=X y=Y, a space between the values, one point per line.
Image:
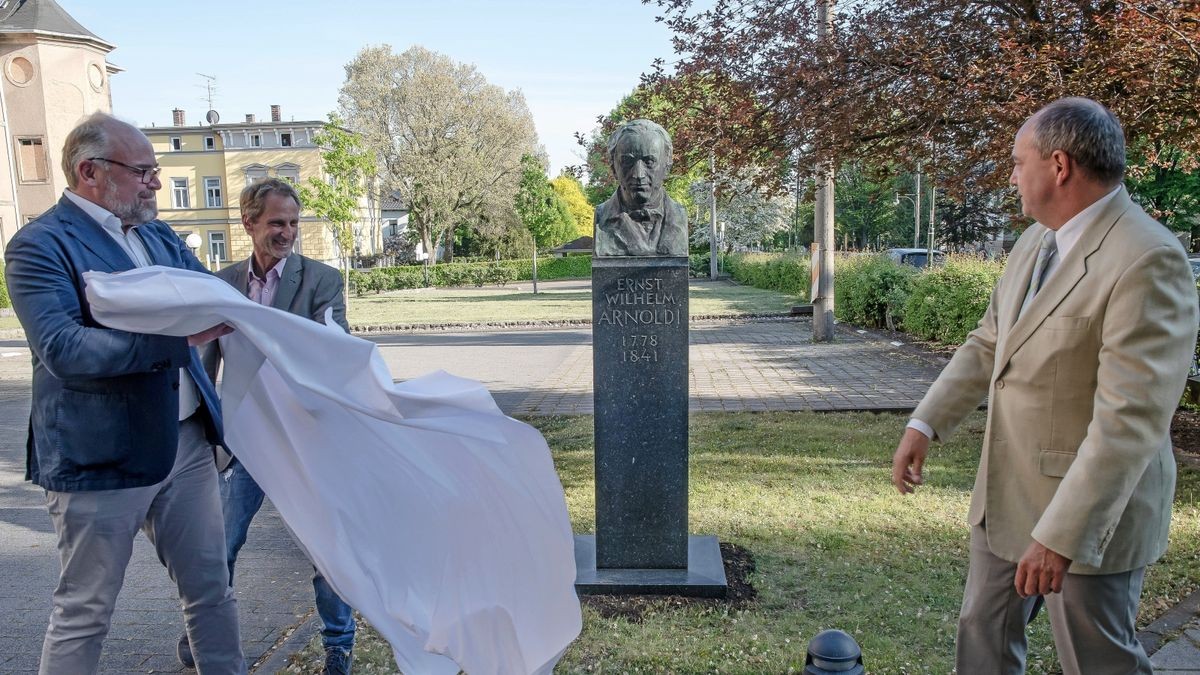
x=703 y=577
x=640 y=371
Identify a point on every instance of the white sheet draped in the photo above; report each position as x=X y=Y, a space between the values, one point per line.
x=432 y=513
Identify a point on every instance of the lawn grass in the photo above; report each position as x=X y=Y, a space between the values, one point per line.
x=491 y=305
x=809 y=495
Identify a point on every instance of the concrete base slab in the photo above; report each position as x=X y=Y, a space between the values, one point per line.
x=703 y=578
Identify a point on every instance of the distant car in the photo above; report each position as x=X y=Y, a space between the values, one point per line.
x=1195 y=261
x=917 y=257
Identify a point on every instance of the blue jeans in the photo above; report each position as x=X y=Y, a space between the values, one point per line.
x=241 y=498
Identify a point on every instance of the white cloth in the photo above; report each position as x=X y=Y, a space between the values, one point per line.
x=432 y=513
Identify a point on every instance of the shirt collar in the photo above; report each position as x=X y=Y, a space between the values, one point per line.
x=98 y=213
x=277 y=269
x=1068 y=235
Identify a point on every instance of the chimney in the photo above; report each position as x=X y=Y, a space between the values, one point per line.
x=276 y=115
x=249 y=118
x=177 y=118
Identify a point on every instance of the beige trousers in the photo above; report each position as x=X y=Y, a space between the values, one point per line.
x=181 y=517
x=1092 y=620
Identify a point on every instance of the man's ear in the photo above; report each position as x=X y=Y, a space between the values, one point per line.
x=85 y=171
x=246 y=223
x=1064 y=166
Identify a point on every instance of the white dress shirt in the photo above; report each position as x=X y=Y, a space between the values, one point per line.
x=263 y=290
x=131 y=242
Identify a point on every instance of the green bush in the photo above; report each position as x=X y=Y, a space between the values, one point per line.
x=468 y=273
x=871 y=290
x=945 y=303
x=787 y=273
x=698 y=265
x=5 y=302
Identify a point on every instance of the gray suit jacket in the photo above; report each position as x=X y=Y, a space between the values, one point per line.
x=306 y=288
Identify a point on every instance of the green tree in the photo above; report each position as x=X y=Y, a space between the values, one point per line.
x=570 y=192
x=335 y=197
x=447 y=140
x=545 y=216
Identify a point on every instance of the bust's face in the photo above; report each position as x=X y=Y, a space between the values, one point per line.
x=641 y=165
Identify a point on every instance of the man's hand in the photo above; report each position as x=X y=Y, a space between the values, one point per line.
x=1041 y=571
x=908 y=460
x=206 y=336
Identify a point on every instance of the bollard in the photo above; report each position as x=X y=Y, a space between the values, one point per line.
x=833 y=652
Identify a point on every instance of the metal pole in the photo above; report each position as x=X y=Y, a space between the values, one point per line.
x=712 y=216
x=535 y=267
x=932 y=213
x=917 y=210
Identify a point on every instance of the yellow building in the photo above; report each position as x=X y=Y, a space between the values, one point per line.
x=205 y=168
x=53 y=72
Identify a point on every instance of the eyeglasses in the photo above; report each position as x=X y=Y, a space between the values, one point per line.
x=147 y=175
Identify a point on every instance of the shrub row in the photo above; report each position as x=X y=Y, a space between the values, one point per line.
x=787 y=273
x=4 y=301
x=466 y=274
x=941 y=305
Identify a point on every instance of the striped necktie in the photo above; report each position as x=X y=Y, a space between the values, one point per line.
x=1045 y=255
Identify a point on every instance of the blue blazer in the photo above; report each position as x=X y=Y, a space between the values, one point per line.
x=105 y=402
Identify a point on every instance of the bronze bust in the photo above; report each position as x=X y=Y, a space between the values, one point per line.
x=640 y=219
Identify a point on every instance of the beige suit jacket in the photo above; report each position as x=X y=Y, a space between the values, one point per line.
x=1081 y=389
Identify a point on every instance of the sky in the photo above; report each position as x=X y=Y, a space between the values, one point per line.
x=573 y=59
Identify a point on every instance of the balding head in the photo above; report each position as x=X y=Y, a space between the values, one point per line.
x=111 y=163
x=1087 y=131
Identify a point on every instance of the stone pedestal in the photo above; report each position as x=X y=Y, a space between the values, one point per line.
x=640 y=366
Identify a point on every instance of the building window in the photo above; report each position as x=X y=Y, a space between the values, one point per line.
x=212 y=193
x=210 y=143
x=179 y=194
x=31 y=155
x=285 y=140
x=216 y=246
x=255 y=173
x=256 y=141
x=176 y=143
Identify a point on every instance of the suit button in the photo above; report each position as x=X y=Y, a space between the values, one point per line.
x=999 y=384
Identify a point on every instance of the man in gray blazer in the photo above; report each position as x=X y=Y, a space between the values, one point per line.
x=275 y=276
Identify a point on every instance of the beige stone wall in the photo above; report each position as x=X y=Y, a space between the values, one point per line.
x=49 y=85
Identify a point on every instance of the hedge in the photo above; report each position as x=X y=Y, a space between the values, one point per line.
x=946 y=303
x=500 y=272
x=785 y=273
x=4 y=301
x=871 y=290
x=941 y=305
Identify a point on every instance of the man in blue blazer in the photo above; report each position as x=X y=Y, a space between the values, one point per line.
x=122 y=424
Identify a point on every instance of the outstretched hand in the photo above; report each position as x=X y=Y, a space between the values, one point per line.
x=208 y=335
x=909 y=460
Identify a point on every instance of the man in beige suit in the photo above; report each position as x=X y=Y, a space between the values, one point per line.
x=1082 y=354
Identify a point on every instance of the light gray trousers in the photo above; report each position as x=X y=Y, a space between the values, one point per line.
x=1092 y=620
x=181 y=517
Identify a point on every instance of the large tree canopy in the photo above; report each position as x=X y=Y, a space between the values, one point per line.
x=941 y=82
x=447 y=141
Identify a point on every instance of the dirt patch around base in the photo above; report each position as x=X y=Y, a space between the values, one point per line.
x=739 y=563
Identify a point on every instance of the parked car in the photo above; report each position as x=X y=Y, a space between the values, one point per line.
x=1195 y=261
x=917 y=257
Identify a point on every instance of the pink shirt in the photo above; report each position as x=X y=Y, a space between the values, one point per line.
x=263 y=291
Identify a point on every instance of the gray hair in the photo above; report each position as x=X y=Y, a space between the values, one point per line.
x=1087 y=131
x=89 y=139
x=254 y=198
x=638 y=126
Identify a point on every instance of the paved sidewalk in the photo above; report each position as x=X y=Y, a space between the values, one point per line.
x=751 y=365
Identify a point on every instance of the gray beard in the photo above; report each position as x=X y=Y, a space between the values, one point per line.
x=131 y=213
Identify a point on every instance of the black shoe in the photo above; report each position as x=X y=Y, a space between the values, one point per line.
x=337 y=661
x=184 y=651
